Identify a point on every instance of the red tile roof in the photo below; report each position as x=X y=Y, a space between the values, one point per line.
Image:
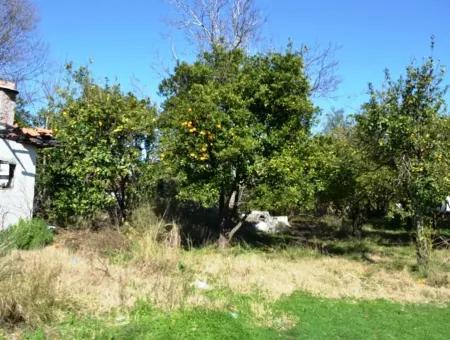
x=35 y=136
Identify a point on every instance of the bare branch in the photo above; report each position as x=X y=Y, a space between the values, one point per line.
x=22 y=54
x=230 y=23
x=236 y=23
x=321 y=66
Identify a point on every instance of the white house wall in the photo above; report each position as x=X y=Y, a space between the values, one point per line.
x=17 y=202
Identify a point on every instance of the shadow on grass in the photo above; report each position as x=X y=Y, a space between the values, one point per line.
x=198 y=225
x=327 y=234
x=328 y=239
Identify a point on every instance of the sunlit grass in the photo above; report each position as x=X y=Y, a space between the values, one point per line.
x=297 y=316
x=139 y=280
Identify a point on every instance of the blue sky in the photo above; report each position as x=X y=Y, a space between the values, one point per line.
x=131 y=41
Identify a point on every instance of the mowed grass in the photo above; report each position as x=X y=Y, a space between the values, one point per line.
x=311 y=318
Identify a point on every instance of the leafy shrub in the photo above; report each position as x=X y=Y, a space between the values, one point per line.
x=27 y=234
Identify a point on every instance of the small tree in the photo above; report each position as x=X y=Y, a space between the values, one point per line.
x=104 y=142
x=403 y=127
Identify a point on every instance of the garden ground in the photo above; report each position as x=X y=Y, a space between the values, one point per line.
x=309 y=284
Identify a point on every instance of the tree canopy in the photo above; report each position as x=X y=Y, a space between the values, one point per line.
x=105 y=138
x=228 y=113
x=404 y=127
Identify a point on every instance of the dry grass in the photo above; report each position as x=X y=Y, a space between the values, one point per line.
x=105 y=242
x=99 y=286
x=38 y=285
x=324 y=276
x=29 y=292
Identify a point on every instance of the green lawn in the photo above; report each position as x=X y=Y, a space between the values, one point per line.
x=313 y=318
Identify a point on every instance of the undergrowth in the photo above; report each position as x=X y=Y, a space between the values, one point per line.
x=139 y=280
x=29 y=294
x=26 y=234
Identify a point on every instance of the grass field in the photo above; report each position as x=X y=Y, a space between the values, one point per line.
x=310 y=284
x=297 y=316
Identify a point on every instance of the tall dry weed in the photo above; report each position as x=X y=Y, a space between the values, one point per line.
x=28 y=293
x=156 y=243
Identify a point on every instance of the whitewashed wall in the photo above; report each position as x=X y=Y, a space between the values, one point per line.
x=17 y=202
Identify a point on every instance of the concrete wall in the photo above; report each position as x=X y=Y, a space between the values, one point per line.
x=17 y=202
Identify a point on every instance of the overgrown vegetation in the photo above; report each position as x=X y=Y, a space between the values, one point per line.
x=135 y=191
x=234 y=134
x=29 y=294
x=109 y=282
x=26 y=234
x=150 y=201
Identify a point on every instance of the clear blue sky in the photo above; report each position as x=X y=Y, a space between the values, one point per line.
x=131 y=41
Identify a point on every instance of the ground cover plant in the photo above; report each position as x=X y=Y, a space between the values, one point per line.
x=298 y=316
x=112 y=284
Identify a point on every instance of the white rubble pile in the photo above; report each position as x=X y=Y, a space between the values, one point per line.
x=263 y=221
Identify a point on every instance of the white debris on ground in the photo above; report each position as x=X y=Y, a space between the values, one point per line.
x=234 y=315
x=263 y=221
x=201 y=284
x=445 y=207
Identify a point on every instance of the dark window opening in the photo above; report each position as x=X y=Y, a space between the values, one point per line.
x=6 y=174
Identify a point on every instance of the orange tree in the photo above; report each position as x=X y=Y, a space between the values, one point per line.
x=226 y=117
x=404 y=127
x=104 y=142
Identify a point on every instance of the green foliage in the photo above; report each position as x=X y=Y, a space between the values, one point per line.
x=290 y=179
x=105 y=142
x=403 y=127
x=226 y=116
x=204 y=136
x=27 y=234
x=354 y=186
x=313 y=318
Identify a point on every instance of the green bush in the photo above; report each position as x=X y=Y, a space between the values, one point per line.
x=26 y=234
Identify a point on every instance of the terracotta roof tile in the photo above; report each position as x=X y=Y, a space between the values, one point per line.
x=35 y=136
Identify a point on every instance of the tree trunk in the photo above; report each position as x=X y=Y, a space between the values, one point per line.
x=357 y=224
x=221 y=208
x=227 y=213
x=121 y=203
x=225 y=239
x=222 y=241
x=423 y=242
